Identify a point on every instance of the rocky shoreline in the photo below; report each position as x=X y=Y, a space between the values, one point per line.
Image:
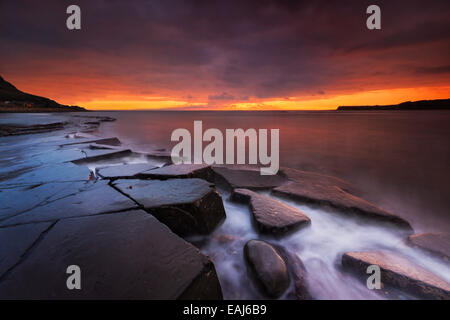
x=71 y=197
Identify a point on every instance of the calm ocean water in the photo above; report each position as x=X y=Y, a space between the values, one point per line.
x=400 y=160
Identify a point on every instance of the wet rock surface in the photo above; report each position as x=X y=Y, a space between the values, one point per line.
x=400 y=272
x=91 y=199
x=187 y=206
x=120 y=257
x=247 y=178
x=267 y=267
x=271 y=215
x=297 y=272
x=16 y=241
x=200 y=171
x=330 y=195
x=126 y=171
x=436 y=243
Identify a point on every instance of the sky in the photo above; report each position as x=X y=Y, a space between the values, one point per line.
x=227 y=55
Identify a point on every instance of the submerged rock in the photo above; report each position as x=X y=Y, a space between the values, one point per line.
x=126 y=171
x=298 y=273
x=90 y=199
x=247 y=178
x=267 y=267
x=106 y=156
x=128 y=255
x=398 y=271
x=335 y=197
x=201 y=171
x=437 y=243
x=271 y=215
x=187 y=206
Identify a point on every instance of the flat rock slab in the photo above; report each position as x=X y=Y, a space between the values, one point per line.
x=16 y=241
x=201 y=171
x=267 y=268
x=298 y=274
x=94 y=198
x=398 y=271
x=437 y=243
x=126 y=171
x=248 y=179
x=187 y=206
x=128 y=255
x=104 y=157
x=17 y=200
x=335 y=197
x=271 y=215
x=62 y=172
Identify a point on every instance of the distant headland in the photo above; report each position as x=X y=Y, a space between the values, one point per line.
x=14 y=100
x=439 y=104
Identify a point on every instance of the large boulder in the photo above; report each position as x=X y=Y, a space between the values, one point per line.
x=271 y=215
x=267 y=267
x=247 y=178
x=201 y=171
x=400 y=272
x=187 y=206
x=128 y=255
x=90 y=199
x=437 y=243
x=333 y=196
x=125 y=171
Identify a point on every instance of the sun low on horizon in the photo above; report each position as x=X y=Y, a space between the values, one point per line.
x=241 y=56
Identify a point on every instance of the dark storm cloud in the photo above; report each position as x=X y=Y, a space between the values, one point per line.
x=244 y=48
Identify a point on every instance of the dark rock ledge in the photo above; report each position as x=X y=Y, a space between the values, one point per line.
x=271 y=216
x=128 y=255
x=333 y=196
x=436 y=243
x=400 y=272
x=273 y=268
x=187 y=206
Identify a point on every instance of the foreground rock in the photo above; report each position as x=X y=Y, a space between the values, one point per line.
x=436 y=243
x=398 y=271
x=333 y=196
x=187 y=206
x=127 y=255
x=267 y=267
x=271 y=215
x=307 y=177
x=183 y=171
x=105 y=157
x=298 y=274
x=126 y=171
x=91 y=199
x=247 y=178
